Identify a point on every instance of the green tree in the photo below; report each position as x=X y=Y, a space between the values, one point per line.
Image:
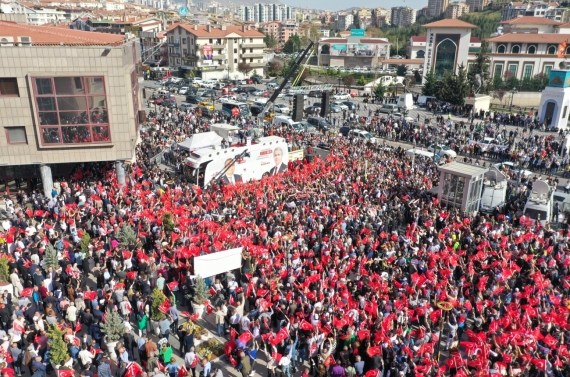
x=431 y=85
x=200 y=291
x=85 y=240
x=157 y=298
x=127 y=236
x=167 y=222
x=113 y=327
x=454 y=87
x=401 y=70
x=481 y=66
x=289 y=47
x=361 y=81
x=417 y=77
x=58 y=352
x=270 y=40
x=379 y=90
x=51 y=257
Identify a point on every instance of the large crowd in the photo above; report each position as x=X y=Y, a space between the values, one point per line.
x=350 y=268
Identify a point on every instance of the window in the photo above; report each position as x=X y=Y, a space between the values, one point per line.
x=531 y=50
x=498 y=70
x=72 y=110
x=16 y=135
x=501 y=49
x=567 y=50
x=513 y=68
x=515 y=49
x=527 y=71
x=547 y=69
x=564 y=112
x=235 y=60
x=235 y=50
x=183 y=41
x=251 y=60
x=9 y=87
x=551 y=50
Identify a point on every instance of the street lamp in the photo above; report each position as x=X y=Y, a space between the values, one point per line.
x=513 y=91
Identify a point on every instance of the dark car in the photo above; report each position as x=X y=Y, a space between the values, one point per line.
x=320 y=123
x=169 y=103
x=194 y=99
x=161 y=99
x=256 y=80
x=315 y=93
x=312 y=110
x=344 y=131
x=247 y=89
x=350 y=105
x=255 y=110
x=204 y=110
x=209 y=93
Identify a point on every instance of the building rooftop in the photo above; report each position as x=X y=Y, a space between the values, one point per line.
x=450 y=23
x=215 y=32
x=461 y=169
x=423 y=38
x=345 y=40
x=49 y=36
x=530 y=38
x=530 y=20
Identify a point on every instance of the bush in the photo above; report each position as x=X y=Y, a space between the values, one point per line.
x=85 y=240
x=4 y=269
x=126 y=236
x=57 y=348
x=50 y=258
x=167 y=222
x=200 y=291
x=113 y=327
x=157 y=299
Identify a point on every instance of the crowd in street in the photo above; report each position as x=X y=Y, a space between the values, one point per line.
x=350 y=268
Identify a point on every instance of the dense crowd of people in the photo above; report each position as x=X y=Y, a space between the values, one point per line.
x=350 y=268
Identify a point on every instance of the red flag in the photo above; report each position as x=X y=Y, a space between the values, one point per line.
x=373 y=351
x=65 y=372
x=182 y=372
x=27 y=292
x=164 y=306
x=160 y=366
x=364 y=334
x=18 y=328
x=304 y=325
x=194 y=317
x=212 y=291
x=539 y=363
x=132 y=275
x=91 y=295
x=233 y=333
x=172 y=285
x=245 y=337
x=276 y=356
x=126 y=254
x=78 y=327
x=233 y=361
x=372 y=373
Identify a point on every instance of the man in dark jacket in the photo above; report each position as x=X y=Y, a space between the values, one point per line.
x=104 y=368
x=4 y=317
x=129 y=343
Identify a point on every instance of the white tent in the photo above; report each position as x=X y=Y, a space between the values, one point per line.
x=200 y=141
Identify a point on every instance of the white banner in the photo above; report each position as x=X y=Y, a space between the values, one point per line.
x=217 y=263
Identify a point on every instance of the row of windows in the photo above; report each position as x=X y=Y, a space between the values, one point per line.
x=516 y=49
x=528 y=70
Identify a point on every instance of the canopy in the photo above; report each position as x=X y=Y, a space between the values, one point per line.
x=200 y=141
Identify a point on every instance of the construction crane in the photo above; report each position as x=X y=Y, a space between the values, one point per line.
x=298 y=61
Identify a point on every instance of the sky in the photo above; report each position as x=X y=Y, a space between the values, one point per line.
x=336 y=5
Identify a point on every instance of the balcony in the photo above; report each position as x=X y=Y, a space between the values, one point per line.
x=252 y=55
x=253 y=45
x=221 y=67
x=257 y=65
x=174 y=45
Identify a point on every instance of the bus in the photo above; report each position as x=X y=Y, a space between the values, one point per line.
x=265 y=156
x=228 y=106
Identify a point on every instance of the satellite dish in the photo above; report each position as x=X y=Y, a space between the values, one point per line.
x=183 y=11
x=540 y=187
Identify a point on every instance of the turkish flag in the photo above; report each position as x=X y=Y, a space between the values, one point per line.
x=372 y=373
x=276 y=356
x=164 y=306
x=18 y=328
x=172 y=285
x=194 y=317
x=364 y=334
x=339 y=323
x=78 y=327
x=65 y=372
x=233 y=333
x=182 y=372
x=212 y=291
x=304 y=325
x=233 y=361
x=91 y=295
x=132 y=275
x=539 y=363
x=160 y=366
x=27 y=292
x=133 y=370
x=550 y=341
x=373 y=351
x=245 y=337
x=126 y=254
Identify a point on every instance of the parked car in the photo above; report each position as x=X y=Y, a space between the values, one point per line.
x=171 y=103
x=161 y=99
x=281 y=108
x=399 y=116
x=226 y=98
x=350 y=105
x=344 y=130
x=443 y=149
x=186 y=106
x=362 y=135
x=335 y=109
x=341 y=96
x=320 y=123
x=255 y=79
x=311 y=110
x=342 y=105
x=315 y=93
x=258 y=93
x=193 y=99
x=255 y=110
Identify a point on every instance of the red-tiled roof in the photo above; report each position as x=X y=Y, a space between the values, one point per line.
x=49 y=36
x=530 y=38
x=202 y=31
x=450 y=23
x=530 y=20
x=423 y=38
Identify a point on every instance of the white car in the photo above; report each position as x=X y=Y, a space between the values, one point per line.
x=281 y=108
x=362 y=135
x=399 y=116
x=443 y=149
x=186 y=106
x=335 y=108
x=510 y=166
x=341 y=96
x=258 y=92
x=341 y=105
x=183 y=90
x=227 y=98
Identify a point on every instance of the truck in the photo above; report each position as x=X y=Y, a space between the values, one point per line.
x=494 y=190
x=538 y=207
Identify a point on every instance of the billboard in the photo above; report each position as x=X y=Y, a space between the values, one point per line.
x=217 y=263
x=338 y=49
x=208 y=54
x=263 y=161
x=357 y=32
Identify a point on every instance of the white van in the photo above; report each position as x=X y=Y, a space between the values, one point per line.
x=260 y=101
x=163 y=92
x=539 y=204
x=282 y=120
x=423 y=100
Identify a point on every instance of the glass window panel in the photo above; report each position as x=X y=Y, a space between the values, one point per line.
x=95 y=85
x=101 y=134
x=76 y=135
x=9 y=86
x=71 y=103
x=69 y=85
x=73 y=117
x=99 y=116
x=48 y=119
x=97 y=103
x=460 y=188
x=51 y=135
x=16 y=134
x=46 y=104
x=43 y=87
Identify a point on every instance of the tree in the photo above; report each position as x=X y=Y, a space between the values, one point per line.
x=113 y=327
x=58 y=352
x=401 y=70
x=303 y=77
x=361 y=81
x=348 y=81
x=244 y=68
x=50 y=258
x=481 y=67
x=167 y=222
x=127 y=236
x=275 y=67
x=201 y=294
x=85 y=240
x=270 y=40
x=499 y=94
x=454 y=87
x=417 y=77
x=292 y=45
x=157 y=298
x=431 y=85
x=379 y=90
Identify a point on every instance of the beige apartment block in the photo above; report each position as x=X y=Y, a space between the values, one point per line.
x=66 y=97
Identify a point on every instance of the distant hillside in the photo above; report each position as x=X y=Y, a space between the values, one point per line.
x=486 y=21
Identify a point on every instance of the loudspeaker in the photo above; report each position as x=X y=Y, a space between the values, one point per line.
x=298 y=104
x=325 y=107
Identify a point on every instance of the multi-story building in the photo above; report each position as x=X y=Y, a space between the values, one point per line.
x=476 y=5
x=437 y=7
x=352 y=51
x=216 y=52
x=381 y=17
x=403 y=16
x=344 y=20
x=35 y=14
x=266 y=12
x=423 y=12
x=417 y=45
x=550 y=10
x=66 y=97
x=456 y=10
x=282 y=31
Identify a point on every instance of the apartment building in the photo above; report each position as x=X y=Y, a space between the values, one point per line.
x=66 y=97
x=477 y=5
x=216 y=52
x=266 y=12
x=282 y=31
x=437 y=7
x=456 y=10
x=381 y=17
x=402 y=16
x=550 y=10
x=344 y=20
x=35 y=15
